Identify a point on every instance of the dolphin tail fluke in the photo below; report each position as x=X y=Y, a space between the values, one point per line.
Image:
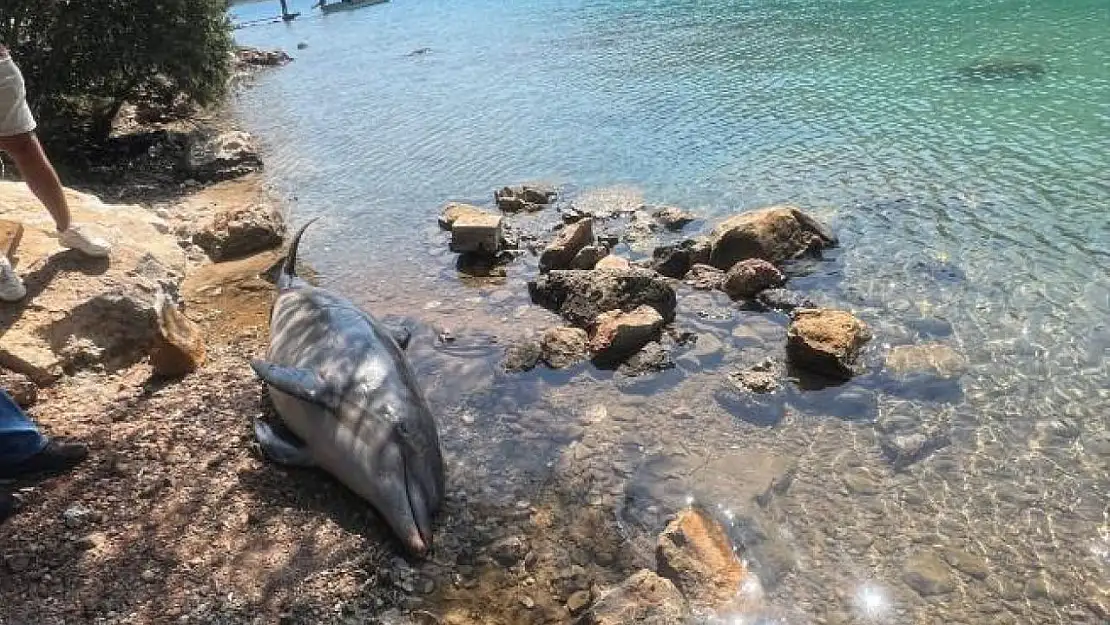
x=289 y=268
x=280 y=448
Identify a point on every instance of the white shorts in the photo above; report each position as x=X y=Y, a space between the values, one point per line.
x=15 y=115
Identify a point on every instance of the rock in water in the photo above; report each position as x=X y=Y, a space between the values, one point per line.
x=643 y=599
x=522 y=356
x=179 y=346
x=775 y=234
x=620 y=334
x=935 y=358
x=581 y=296
x=696 y=554
x=903 y=450
x=454 y=210
x=783 y=299
x=476 y=233
x=652 y=358
x=240 y=231
x=564 y=346
x=523 y=197
x=589 y=256
x=748 y=277
x=928 y=575
x=572 y=239
x=20 y=387
x=213 y=156
x=825 y=341
x=672 y=218
x=704 y=277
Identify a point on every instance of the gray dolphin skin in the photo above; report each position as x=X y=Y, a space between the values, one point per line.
x=346 y=392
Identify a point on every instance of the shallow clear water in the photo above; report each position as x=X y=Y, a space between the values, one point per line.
x=972 y=211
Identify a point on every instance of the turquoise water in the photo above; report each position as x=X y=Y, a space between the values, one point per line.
x=972 y=212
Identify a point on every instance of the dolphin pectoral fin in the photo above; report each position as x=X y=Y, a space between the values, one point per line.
x=401 y=334
x=281 y=447
x=300 y=383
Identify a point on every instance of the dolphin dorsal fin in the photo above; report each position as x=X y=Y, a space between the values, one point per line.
x=300 y=383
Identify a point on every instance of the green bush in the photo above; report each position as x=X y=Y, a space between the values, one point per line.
x=83 y=59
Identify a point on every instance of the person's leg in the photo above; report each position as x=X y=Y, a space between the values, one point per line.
x=17 y=138
x=25 y=451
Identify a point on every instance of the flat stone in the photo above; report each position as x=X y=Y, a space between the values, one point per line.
x=476 y=233
x=748 y=277
x=643 y=599
x=453 y=210
x=966 y=563
x=825 y=341
x=564 y=346
x=933 y=358
x=619 y=334
x=927 y=574
x=695 y=553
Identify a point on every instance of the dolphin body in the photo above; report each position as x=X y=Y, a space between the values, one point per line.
x=350 y=401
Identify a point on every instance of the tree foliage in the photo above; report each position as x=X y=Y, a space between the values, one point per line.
x=83 y=59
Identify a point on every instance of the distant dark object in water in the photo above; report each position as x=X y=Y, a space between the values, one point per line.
x=1003 y=70
x=302 y=45
x=941 y=270
x=420 y=51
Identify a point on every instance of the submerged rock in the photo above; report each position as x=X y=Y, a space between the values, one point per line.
x=263 y=58
x=935 y=358
x=179 y=346
x=748 y=277
x=695 y=553
x=619 y=334
x=928 y=575
x=581 y=296
x=775 y=234
x=643 y=599
x=526 y=197
x=825 y=341
x=903 y=450
x=673 y=218
x=572 y=239
x=674 y=261
x=704 y=277
x=1003 y=69
x=762 y=378
x=783 y=299
x=522 y=356
x=564 y=346
x=652 y=358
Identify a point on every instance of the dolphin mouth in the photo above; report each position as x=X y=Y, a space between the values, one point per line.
x=420 y=539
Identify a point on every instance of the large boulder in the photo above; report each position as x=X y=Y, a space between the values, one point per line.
x=775 y=234
x=238 y=231
x=749 y=277
x=695 y=553
x=212 y=156
x=581 y=296
x=571 y=239
x=825 y=341
x=619 y=334
x=453 y=210
x=643 y=599
x=82 y=312
x=476 y=233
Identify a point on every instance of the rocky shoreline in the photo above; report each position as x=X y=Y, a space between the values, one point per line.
x=176 y=517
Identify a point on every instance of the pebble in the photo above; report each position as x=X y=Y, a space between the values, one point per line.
x=149 y=575
x=75 y=516
x=527 y=602
x=578 y=601
x=927 y=574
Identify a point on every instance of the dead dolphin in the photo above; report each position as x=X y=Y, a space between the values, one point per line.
x=346 y=392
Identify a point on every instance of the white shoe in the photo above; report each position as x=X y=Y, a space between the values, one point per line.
x=77 y=239
x=11 y=286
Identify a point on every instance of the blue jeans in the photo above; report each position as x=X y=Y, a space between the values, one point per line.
x=20 y=438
